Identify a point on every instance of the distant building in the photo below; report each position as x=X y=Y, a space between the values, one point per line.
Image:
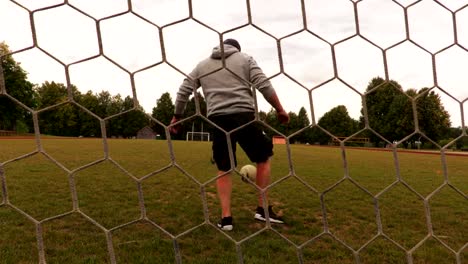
x=7 y=133
x=146 y=133
x=279 y=140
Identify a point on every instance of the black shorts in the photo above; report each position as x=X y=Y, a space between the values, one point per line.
x=251 y=138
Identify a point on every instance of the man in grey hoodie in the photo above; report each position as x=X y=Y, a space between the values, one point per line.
x=230 y=104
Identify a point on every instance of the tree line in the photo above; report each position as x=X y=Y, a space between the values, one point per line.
x=389 y=110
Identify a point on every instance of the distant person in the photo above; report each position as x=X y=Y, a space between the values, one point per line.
x=230 y=104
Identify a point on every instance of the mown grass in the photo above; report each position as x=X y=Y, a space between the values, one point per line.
x=173 y=200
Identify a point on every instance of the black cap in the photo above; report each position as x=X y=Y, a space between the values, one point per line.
x=233 y=42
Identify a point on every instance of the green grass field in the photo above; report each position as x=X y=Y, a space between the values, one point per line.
x=174 y=203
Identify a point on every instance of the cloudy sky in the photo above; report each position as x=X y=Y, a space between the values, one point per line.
x=131 y=44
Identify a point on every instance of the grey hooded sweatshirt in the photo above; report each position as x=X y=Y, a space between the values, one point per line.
x=226 y=92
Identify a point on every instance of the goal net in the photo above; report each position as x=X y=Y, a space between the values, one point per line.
x=342 y=204
x=198 y=136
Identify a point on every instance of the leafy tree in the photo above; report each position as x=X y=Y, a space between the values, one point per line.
x=163 y=112
x=132 y=121
x=164 y=109
x=126 y=124
x=338 y=122
x=293 y=125
x=286 y=129
x=66 y=121
x=272 y=120
x=303 y=121
x=57 y=120
x=117 y=105
x=50 y=93
x=104 y=108
x=90 y=126
x=390 y=111
x=262 y=115
x=113 y=105
x=16 y=84
x=296 y=122
x=384 y=107
x=399 y=119
x=455 y=132
x=191 y=105
x=433 y=119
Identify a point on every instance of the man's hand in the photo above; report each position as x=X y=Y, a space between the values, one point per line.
x=274 y=101
x=176 y=128
x=283 y=117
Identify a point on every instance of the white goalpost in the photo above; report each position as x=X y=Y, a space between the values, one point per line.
x=197 y=136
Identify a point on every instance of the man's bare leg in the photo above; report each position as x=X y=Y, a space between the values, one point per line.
x=224 y=187
x=263 y=179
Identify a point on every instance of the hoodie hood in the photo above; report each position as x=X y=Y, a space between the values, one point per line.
x=228 y=51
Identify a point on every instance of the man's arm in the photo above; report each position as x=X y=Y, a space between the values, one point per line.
x=274 y=101
x=262 y=84
x=187 y=87
x=185 y=90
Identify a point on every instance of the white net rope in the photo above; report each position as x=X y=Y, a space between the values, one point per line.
x=175 y=163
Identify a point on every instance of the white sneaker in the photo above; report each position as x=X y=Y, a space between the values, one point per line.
x=226 y=223
x=260 y=215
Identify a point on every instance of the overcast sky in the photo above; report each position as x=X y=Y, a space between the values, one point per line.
x=134 y=44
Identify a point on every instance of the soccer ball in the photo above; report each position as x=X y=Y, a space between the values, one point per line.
x=248 y=172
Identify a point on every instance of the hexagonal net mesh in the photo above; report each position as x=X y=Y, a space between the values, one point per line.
x=363 y=218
